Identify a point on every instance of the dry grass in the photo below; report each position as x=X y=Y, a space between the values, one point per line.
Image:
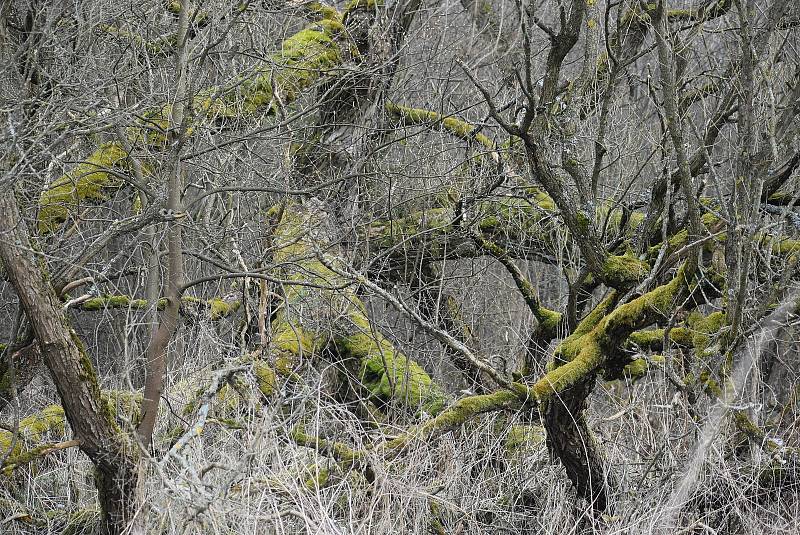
x=256 y=480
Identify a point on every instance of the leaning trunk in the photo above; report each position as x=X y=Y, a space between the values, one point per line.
x=72 y=371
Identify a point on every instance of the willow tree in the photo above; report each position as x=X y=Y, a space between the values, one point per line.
x=292 y=191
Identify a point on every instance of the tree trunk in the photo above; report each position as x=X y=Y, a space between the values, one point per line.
x=571 y=441
x=72 y=371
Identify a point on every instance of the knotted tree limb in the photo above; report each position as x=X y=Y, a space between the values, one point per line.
x=217 y=308
x=594 y=346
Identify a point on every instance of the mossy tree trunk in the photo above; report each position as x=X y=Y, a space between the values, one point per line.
x=323 y=312
x=71 y=369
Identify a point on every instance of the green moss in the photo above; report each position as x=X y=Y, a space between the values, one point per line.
x=710 y=385
x=571 y=346
x=639 y=367
x=123 y=404
x=89 y=375
x=88 y=181
x=6 y=437
x=654 y=339
x=111 y=301
x=218 y=308
x=226 y=402
x=352 y=5
x=82 y=521
x=785 y=247
x=49 y=419
x=23 y=458
x=304 y=57
x=523 y=437
x=196 y=15
x=343 y=453
x=588 y=360
x=265 y=377
x=544 y=202
x=549 y=321
x=624 y=270
x=702 y=327
x=292 y=340
x=401 y=379
x=647 y=338
x=317 y=478
x=643 y=310
x=388 y=374
x=457 y=127
x=324 y=11
x=489 y=224
x=459 y=413
x=584 y=353
x=221 y=309
x=745 y=425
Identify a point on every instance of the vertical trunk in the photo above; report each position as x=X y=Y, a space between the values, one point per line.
x=746 y=186
x=157 y=351
x=72 y=371
x=571 y=441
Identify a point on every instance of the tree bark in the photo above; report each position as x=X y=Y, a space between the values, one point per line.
x=156 y=365
x=72 y=371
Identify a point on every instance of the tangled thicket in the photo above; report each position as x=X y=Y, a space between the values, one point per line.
x=415 y=267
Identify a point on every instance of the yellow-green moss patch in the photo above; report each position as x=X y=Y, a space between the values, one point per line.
x=88 y=181
x=49 y=419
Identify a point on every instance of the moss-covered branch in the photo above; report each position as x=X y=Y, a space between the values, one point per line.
x=449 y=419
x=696 y=333
x=217 y=308
x=406 y=116
x=585 y=353
x=314 y=318
x=303 y=59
